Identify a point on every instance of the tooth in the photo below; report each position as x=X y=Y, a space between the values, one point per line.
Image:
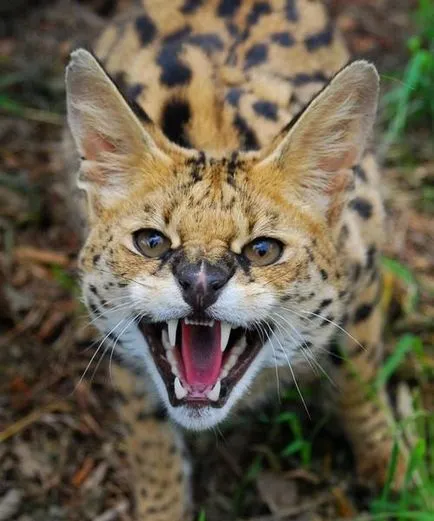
x=172 y=326
x=165 y=339
x=214 y=394
x=225 y=331
x=180 y=392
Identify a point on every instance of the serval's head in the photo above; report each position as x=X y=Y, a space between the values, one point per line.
x=202 y=269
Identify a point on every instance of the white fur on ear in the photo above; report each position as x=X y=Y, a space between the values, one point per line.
x=108 y=135
x=330 y=135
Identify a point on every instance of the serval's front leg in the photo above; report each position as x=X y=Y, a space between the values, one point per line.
x=159 y=466
x=365 y=411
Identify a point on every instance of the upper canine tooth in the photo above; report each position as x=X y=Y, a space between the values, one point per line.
x=180 y=392
x=225 y=331
x=172 y=326
x=214 y=394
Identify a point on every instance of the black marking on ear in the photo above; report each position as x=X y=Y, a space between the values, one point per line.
x=259 y=9
x=209 y=42
x=324 y=274
x=320 y=39
x=233 y=96
x=362 y=206
x=256 y=55
x=266 y=109
x=146 y=29
x=291 y=10
x=175 y=116
x=228 y=8
x=284 y=39
x=363 y=312
x=247 y=135
x=190 y=6
x=360 y=173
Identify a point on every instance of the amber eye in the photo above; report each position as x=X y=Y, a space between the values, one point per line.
x=263 y=251
x=151 y=243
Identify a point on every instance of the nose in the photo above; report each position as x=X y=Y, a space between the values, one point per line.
x=201 y=283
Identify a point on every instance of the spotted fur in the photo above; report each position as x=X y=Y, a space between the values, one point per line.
x=224 y=121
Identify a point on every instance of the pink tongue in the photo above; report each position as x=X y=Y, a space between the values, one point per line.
x=201 y=353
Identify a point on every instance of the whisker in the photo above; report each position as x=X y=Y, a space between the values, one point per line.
x=292 y=374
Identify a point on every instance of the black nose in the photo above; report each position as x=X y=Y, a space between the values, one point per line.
x=201 y=283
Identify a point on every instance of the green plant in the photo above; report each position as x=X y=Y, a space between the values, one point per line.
x=412 y=102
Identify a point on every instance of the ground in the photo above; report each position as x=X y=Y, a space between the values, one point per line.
x=61 y=450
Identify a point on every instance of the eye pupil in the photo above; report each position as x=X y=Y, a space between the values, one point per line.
x=263 y=251
x=151 y=243
x=261 y=248
x=154 y=241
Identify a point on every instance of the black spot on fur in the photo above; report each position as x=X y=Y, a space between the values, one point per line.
x=291 y=10
x=232 y=29
x=360 y=173
x=190 y=6
x=209 y=42
x=96 y=258
x=362 y=206
x=370 y=257
x=177 y=36
x=357 y=270
x=266 y=109
x=303 y=79
x=232 y=166
x=176 y=115
x=324 y=274
x=320 y=39
x=146 y=29
x=327 y=321
x=256 y=55
x=246 y=133
x=93 y=308
x=362 y=313
x=326 y=302
x=258 y=10
x=134 y=91
x=335 y=354
x=284 y=39
x=227 y=8
x=173 y=71
x=233 y=96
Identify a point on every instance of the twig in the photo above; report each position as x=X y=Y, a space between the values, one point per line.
x=34 y=416
x=112 y=513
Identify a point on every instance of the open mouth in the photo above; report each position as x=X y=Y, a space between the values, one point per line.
x=200 y=360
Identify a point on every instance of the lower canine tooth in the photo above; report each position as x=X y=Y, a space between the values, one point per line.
x=214 y=394
x=180 y=392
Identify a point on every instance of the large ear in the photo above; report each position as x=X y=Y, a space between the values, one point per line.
x=312 y=157
x=109 y=137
